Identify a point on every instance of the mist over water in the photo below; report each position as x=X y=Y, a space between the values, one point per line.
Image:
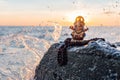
x=22 y=48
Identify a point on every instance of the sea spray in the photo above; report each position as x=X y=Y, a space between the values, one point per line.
x=57 y=32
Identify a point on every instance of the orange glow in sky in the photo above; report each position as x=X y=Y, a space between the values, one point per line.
x=63 y=12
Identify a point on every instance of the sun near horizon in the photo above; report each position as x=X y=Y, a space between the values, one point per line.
x=63 y=12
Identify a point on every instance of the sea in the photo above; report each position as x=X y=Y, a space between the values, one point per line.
x=22 y=47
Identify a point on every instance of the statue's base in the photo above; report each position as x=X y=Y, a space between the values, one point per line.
x=62 y=51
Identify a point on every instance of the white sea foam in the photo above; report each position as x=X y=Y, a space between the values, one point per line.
x=19 y=56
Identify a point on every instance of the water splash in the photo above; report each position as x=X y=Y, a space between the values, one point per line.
x=57 y=32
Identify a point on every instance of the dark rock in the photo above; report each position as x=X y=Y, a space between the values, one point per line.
x=117 y=44
x=97 y=60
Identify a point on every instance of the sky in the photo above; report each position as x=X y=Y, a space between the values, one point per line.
x=63 y=12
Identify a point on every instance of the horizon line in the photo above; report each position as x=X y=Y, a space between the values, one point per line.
x=53 y=26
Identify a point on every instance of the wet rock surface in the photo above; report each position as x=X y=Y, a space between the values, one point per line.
x=98 y=60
